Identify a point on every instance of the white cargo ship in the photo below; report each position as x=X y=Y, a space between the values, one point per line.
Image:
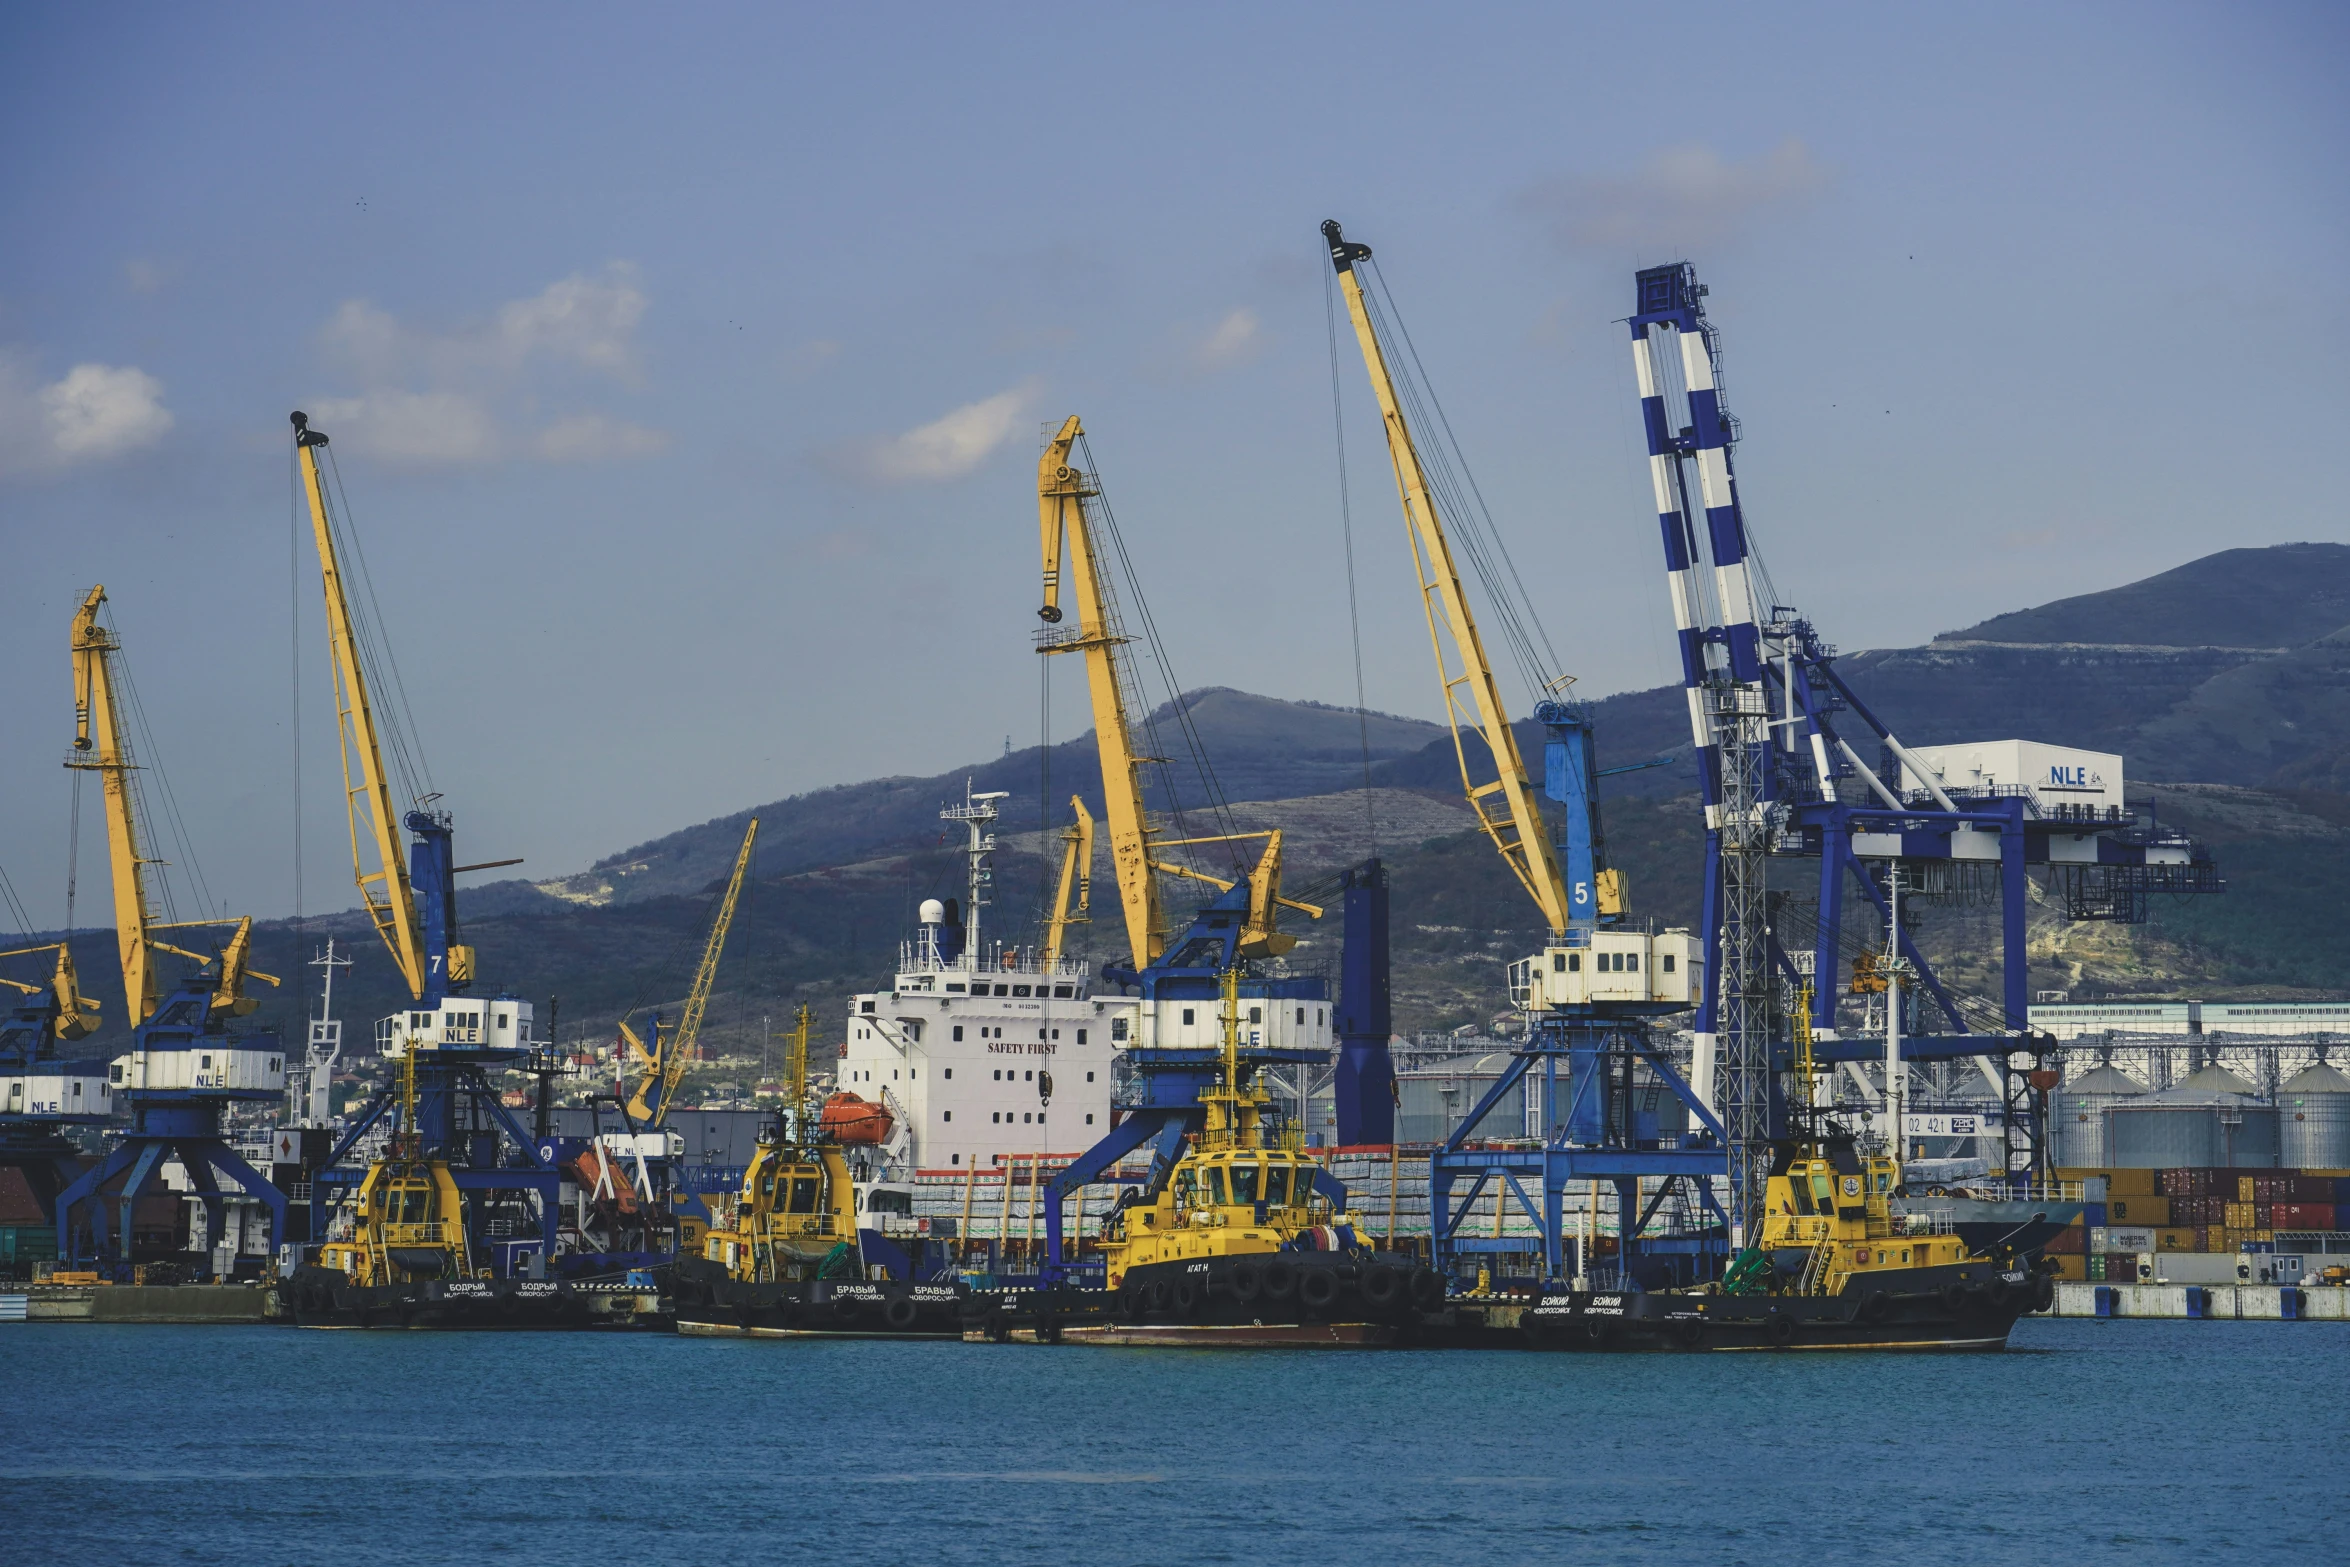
x=982 y=1054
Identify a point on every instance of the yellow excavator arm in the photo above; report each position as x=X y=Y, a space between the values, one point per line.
x=676 y=1052
x=1061 y=494
x=1514 y=822
x=377 y=860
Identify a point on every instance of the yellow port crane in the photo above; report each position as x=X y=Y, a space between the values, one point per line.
x=1076 y=878
x=101 y=747
x=1062 y=489
x=1516 y=826
x=378 y=864
x=663 y=1066
x=76 y=1014
x=1061 y=493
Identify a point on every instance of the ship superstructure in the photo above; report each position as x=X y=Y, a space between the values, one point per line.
x=982 y=1050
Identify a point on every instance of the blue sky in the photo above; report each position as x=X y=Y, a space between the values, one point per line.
x=687 y=369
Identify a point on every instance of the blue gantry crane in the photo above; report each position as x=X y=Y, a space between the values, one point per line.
x=46 y=1094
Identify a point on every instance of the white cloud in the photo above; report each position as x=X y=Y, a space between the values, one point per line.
x=104 y=411
x=594 y=438
x=1231 y=341
x=425 y=429
x=1680 y=197
x=946 y=448
x=92 y=413
x=426 y=393
x=585 y=320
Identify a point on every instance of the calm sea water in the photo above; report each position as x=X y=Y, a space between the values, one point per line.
x=2141 y=1442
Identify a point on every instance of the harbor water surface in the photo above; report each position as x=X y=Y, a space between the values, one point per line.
x=2120 y=1441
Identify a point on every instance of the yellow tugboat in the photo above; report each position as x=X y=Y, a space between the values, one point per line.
x=1845 y=1259
x=788 y=1262
x=1245 y=1244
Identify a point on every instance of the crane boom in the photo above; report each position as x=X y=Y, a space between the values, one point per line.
x=666 y=1067
x=1076 y=877
x=1061 y=493
x=376 y=860
x=1516 y=828
x=98 y=729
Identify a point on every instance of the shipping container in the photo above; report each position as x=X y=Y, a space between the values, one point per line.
x=2239 y=1216
x=2093 y=1214
x=2184 y=1182
x=2072 y=1267
x=2177 y=1240
x=2096 y=1268
x=2124 y=1267
x=2247 y=1188
x=2118 y=1183
x=2069 y=1241
x=2138 y=1210
x=2112 y=1238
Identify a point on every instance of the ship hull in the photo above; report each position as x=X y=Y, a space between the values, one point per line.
x=1925 y=1310
x=324 y=1298
x=711 y=1304
x=1268 y=1300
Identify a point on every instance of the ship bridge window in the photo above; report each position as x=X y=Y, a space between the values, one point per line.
x=1019 y=990
x=1256 y=1014
x=1081 y=1036
x=866 y=1007
x=1244 y=1182
x=803 y=1194
x=1117 y=1030
x=1064 y=992
x=1823 y=1190
x=1215 y=1186
x=958 y=1033
x=955 y=986
x=1277 y=1185
x=1802 y=1196
x=1187 y=1017
x=1000 y=990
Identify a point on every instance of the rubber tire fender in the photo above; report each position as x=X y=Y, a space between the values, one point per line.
x=1133 y=1299
x=1691 y=1332
x=1597 y=1331
x=1161 y=1293
x=845 y=1308
x=1280 y=1279
x=1248 y=1281
x=900 y=1314
x=1316 y=1288
x=1954 y=1296
x=1427 y=1289
x=1875 y=1307
x=1383 y=1286
x=1185 y=1295
x=1781 y=1332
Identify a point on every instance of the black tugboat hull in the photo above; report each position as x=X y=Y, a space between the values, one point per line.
x=712 y=1304
x=1265 y=1301
x=324 y=1298
x=1927 y=1312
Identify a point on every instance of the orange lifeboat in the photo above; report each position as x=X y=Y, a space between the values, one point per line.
x=849 y=1119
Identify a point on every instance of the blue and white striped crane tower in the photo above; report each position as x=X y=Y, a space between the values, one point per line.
x=1781 y=776
x=1590 y=994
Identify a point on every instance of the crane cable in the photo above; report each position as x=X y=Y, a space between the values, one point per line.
x=395 y=724
x=1212 y=791
x=1455 y=491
